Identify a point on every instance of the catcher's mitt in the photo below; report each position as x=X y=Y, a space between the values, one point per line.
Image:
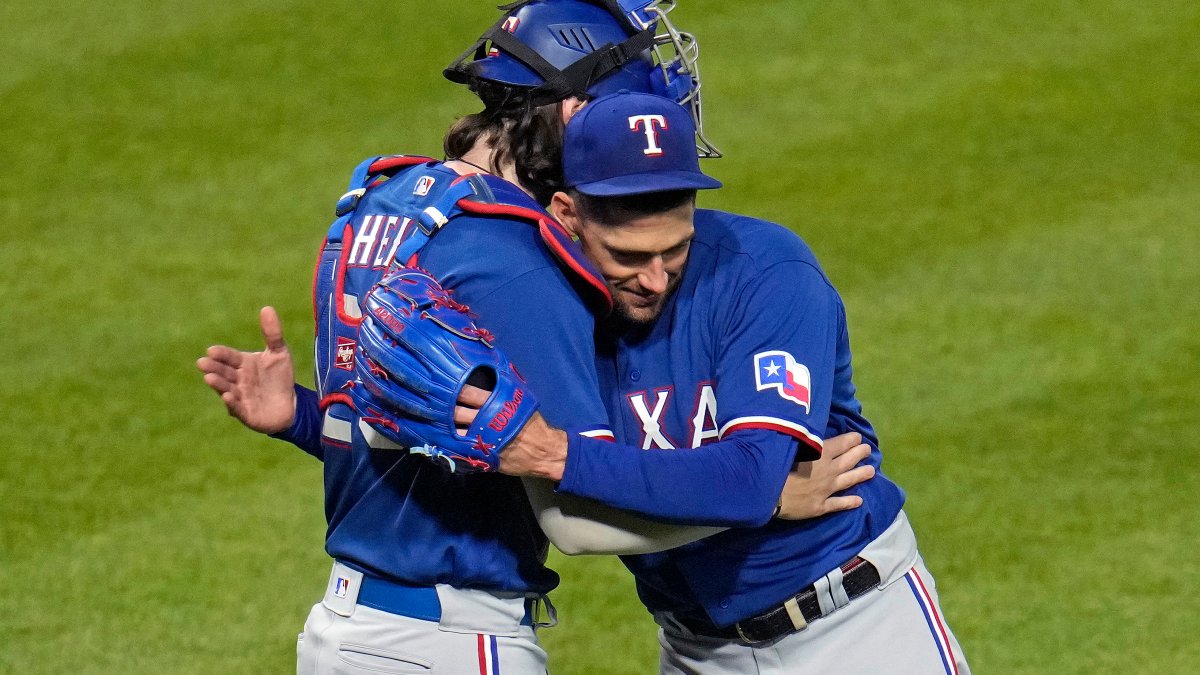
x=417 y=348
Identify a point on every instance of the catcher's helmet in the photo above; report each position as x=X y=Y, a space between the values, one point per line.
x=555 y=49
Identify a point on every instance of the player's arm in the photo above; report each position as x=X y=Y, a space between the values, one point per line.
x=587 y=526
x=580 y=526
x=550 y=341
x=762 y=432
x=259 y=389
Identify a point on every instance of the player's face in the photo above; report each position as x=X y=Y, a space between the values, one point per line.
x=642 y=260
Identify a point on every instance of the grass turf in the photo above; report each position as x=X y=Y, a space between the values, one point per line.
x=1005 y=193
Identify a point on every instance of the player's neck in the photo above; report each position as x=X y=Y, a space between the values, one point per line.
x=479 y=160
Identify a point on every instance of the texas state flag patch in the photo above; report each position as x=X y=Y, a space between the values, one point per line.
x=779 y=371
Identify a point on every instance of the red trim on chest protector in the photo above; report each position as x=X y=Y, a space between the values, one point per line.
x=546 y=227
x=385 y=163
x=339 y=287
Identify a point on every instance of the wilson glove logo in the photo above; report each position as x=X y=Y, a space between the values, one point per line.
x=778 y=370
x=506 y=413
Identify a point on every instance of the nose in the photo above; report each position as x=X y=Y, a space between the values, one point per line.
x=654 y=277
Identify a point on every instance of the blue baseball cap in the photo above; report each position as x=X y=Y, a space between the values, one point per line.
x=632 y=143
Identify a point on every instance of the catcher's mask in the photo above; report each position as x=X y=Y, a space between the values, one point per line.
x=555 y=49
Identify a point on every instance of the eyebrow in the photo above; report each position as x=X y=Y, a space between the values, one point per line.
x=632 y=252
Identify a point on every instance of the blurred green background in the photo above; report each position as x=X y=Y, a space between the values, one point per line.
x=1006 y=193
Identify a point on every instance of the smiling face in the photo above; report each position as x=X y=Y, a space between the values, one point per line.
x=640 y=255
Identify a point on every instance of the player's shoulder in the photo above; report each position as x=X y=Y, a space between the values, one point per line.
x=752 y=243
x=498 y=228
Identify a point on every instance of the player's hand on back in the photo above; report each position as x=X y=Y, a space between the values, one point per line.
x=256 y=387
x=811 y=488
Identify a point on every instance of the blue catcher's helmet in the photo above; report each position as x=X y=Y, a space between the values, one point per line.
x=555 y=49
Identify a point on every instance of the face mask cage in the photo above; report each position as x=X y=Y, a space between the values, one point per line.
x=677 y=55
x=674 y=53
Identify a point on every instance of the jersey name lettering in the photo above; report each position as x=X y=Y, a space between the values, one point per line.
x=381 y=234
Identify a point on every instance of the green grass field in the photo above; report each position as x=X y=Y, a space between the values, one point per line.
x=1006 y=193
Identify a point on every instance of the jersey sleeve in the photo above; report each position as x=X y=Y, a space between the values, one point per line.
x=777 y=366
x=687 y=486
x=305 y=432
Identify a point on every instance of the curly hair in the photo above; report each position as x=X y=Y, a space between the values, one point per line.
x=528 y=136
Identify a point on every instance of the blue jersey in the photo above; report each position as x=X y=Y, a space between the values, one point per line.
x=745 y=371
x=404 y=517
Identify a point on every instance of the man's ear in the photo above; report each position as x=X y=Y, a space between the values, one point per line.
x=569 y=107
x=563 y=208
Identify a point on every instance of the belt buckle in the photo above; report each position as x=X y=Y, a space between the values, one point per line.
x=742 y=635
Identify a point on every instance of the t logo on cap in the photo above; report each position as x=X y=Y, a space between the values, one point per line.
x=648 y=122
x=604 y=154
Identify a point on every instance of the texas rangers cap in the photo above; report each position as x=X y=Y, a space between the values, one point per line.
x=631 y=143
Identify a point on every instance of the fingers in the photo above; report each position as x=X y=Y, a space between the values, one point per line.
x=470 y=400
x=472 y=396
x=464 y=416
x=852 y=457
x=849 y=479
x=834 y=504
x=209 y=365
x=218 y=383
x=272 y=329
x=223 y=354
x=839 y=445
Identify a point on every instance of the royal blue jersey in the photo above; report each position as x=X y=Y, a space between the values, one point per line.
x=402 y=516
x=745 y=371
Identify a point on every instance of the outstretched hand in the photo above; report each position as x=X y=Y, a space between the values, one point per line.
x=256 y=387
x=811 y=488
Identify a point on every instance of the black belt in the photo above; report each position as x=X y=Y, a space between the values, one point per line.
x=858 y=577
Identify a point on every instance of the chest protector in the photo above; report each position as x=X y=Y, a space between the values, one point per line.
x=394 y=205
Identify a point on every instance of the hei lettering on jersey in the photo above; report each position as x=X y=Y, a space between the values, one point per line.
x=376 y=240
x=778 y=370
x=649 y=125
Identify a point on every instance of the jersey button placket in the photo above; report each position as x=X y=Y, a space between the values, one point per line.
x=635 y=375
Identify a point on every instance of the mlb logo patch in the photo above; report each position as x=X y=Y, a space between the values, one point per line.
x=779 y=371
x=344 y=358
x=341 y=587
x=424 y=184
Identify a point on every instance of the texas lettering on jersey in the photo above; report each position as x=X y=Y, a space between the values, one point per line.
x=777 y=374
x=651 y=408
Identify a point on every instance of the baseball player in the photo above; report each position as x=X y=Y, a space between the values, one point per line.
x=434 y=570
x=728 y=339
